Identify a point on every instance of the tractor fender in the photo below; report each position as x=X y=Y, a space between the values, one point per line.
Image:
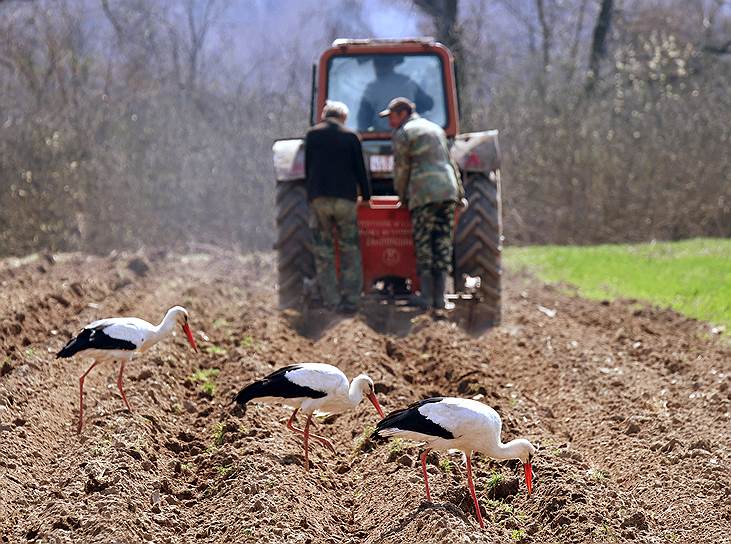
x=289 y=159
x=477 y=151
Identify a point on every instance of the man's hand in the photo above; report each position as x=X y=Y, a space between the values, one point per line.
x=464 y=203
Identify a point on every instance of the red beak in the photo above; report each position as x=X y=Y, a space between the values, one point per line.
x=189 y=334
x=528 y=468
x=374 y=400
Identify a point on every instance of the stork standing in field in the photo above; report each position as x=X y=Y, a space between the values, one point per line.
x=311 y=387
x=446 y=423
x=119 y=339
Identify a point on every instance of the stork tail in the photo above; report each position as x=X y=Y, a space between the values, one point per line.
x=75 y=345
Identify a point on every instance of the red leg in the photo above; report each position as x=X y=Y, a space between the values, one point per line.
x=307 y=440
x=81 y=396
x=472 y=490
x=119 y=385
x=290 y=423
x=423 y=469
x=321 y=439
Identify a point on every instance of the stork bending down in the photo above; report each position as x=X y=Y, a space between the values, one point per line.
x=310 y=387
x=445 y=423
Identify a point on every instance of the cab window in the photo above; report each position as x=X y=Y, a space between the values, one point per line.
x=366 y=83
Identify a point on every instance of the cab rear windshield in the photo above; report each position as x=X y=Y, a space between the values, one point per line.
x=366 y=83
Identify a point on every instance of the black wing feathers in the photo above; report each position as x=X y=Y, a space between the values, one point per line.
x=277 y=385
x=94 y=338
x=410 y=419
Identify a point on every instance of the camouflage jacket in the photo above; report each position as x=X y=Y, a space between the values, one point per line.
x=423 y=169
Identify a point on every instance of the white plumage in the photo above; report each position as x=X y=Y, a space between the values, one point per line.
x=444 y=423
x=119 y=339
x=310 y=387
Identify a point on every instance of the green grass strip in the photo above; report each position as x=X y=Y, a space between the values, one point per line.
x=692 y=276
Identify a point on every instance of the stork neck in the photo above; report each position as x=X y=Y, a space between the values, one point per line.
x=166 y=326
x=511 y=450
x=355 y=393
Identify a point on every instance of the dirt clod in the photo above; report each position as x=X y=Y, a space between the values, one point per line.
x=633 y=427
x=504 y=489
x=139 y=266
x=636 y=520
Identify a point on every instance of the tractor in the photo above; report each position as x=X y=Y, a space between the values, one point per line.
x=365 y=74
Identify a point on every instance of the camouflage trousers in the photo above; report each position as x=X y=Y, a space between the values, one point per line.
x=433 y=226
x=331 y=219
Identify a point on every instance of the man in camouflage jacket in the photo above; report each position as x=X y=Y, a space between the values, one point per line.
x=427 y=180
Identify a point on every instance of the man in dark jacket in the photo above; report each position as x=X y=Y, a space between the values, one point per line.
x=334 y=170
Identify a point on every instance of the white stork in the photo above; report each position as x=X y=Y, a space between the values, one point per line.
x=310 y=387
x=119 y=339
x=445 y=423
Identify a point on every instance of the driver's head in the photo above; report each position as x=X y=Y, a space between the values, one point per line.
x=385 y=64
x=335 y=110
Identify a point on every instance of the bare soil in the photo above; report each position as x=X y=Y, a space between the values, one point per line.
x=630 y=406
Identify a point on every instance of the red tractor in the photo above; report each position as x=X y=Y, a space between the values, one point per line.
x=365 y=75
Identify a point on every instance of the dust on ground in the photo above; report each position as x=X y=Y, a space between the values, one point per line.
x=629 y=404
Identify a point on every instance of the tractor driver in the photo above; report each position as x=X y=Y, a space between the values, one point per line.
x=334 y=170
x=428 y=181
x=388 y=83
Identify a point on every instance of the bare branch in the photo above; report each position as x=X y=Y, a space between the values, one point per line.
x=574 y=51
x=112 y=19
x=527 y=21
x=546 y=33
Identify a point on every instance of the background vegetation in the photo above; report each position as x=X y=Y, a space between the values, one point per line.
x=133 y=123
x=692 y=276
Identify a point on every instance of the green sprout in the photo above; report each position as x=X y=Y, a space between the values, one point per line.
x=596 y=474
x=224 y=471
x=604 y=531
x=361 y=443
x=499 y=507
x=206 y=376
x=517 y=534
x=494 y=480
x=209 y=388
x=396 y=447
x=446 y=465
x=219 y=430
x=218 y=323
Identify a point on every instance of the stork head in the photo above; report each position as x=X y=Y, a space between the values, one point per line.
x=363 y=386
x=180 y=315
x=525 y=451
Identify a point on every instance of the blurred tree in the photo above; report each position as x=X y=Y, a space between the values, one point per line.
x=599 y=43
x=444 y=15
x=134 y=123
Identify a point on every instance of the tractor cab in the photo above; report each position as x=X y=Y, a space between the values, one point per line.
x=366 y=75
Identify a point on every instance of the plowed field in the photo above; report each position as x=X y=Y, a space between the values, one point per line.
x=630 y=406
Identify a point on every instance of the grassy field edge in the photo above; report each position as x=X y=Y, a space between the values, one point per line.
x=691 y=276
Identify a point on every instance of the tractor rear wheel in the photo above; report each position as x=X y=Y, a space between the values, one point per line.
x=295 y=262
x=478 y=241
